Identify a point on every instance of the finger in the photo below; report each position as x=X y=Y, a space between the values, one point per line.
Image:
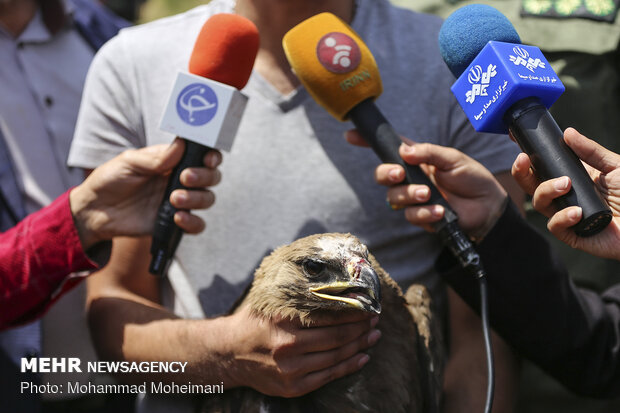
x=523 y=174
x=313 y=340
x=313 y=381
x=154 y=159
x=389 y=174
x=404 y=195
x=192 y=199
x=188 y=222
x=561 y=222
x=546 y=192
x=344 y=318
x=591 y=152
x=325 y=359
x=213 y=158
x=424 y=216
x=355 y=138
x=165 y=157
x=441 y=157
x=200 y=177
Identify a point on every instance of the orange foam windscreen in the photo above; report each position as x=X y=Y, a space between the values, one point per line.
x=225 y=50
x=333 y=63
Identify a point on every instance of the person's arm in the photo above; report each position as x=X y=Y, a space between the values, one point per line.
x=119 y=198
x=35 y=258
x=573 y=334
x=122 y=196
x=604 y=168
x=465 y=376
x=277 y=358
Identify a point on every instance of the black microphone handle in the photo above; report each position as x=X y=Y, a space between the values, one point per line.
x=385 y=142
x=166 y=234
x=541 y=138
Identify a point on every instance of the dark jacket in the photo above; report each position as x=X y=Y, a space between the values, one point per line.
x=572 y=333
x=95 y=22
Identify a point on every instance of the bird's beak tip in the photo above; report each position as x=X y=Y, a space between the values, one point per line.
x=362 y=291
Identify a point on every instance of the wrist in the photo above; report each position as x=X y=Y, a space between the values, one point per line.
x=80 y=202
x=218 y=347
x=482 y=231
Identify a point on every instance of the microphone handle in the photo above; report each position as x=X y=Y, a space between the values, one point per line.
x=166 y=234
x=385 y=142
x=541 y=138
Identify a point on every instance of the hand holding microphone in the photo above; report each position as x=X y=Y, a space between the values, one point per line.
x=205 y=109
x=120 y=197
x=604 y=168
x=471 y=189
x=339 y=72
x=504 y=85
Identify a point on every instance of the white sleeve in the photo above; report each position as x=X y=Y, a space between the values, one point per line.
x=109 y=119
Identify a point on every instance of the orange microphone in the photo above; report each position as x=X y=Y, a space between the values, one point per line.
x=340 y=73
x=225 y=50
x=205 y=108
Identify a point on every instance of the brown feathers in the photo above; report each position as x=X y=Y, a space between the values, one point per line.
x=328 y=274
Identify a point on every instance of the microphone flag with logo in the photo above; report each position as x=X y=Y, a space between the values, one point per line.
x=339 y=72
x=204 y=108
x=504 y=85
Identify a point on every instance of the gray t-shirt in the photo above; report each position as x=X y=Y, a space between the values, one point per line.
x=290 y=172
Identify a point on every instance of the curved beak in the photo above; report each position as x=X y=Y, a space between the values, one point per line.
x=362 y=290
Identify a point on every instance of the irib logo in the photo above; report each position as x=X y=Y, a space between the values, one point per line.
x=523 y=58
x=475 y=74
x=338 y=53
x=480 y=81
x=197 y=104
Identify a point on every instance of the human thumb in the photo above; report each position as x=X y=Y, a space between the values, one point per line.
x=156 y=159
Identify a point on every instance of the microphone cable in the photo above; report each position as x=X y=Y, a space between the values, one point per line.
x=484 y=316
x=472 y=264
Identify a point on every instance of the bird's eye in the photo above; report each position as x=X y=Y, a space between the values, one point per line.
x=312 y=267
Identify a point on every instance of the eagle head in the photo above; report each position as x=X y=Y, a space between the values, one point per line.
x=324 y=272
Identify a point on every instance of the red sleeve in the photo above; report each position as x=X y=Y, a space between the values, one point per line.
x=37 y=259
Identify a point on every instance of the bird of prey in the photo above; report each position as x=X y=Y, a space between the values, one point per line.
x=334 y=273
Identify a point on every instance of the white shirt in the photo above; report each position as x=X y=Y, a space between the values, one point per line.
x=41 y=81
x=41 y=78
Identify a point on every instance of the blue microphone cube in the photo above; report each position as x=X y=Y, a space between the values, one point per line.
x=501 y=75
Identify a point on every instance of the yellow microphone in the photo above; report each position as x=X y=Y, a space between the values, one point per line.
x=340 y=73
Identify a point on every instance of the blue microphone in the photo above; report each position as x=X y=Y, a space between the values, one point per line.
x=504 y=85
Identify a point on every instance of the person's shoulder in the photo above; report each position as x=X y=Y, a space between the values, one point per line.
x=402 y=39
x=166 y=28
x=421 y=19
x=157 y=40
x=405 y=29
x=412 y=21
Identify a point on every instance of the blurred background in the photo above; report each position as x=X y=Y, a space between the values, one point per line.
x=154 y=9
x=142 y=11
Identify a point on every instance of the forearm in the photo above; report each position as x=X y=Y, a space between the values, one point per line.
x=36 y=256
x=128 y=324
x=127 y=327
x=570 y=333
x=465 y=376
